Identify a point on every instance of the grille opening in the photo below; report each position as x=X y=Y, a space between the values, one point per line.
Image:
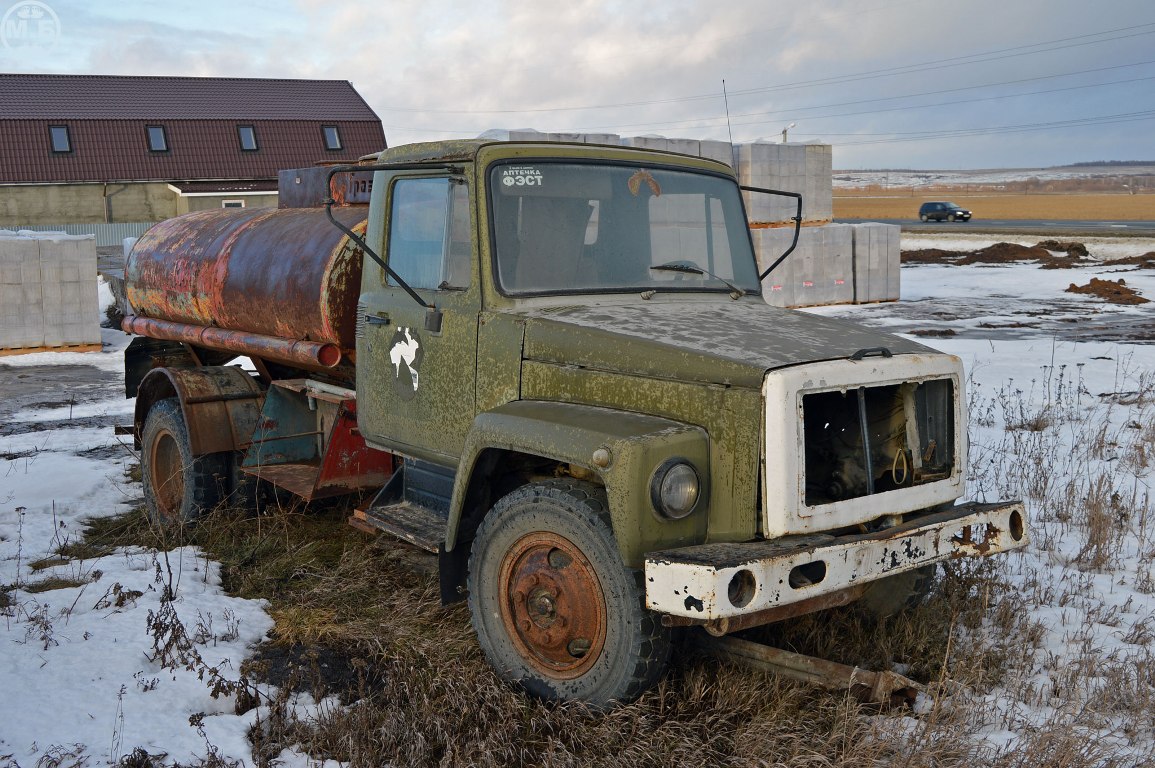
x=875 y=439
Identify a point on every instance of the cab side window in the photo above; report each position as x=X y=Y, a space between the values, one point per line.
x=429 y=242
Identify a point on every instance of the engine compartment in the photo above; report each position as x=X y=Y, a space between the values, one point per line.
x=868 y=440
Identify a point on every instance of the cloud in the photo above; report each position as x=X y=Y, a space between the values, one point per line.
x=439 y=68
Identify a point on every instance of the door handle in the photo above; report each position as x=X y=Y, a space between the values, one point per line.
x=380 y=318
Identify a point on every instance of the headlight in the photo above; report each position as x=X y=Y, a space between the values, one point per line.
x=675 y=488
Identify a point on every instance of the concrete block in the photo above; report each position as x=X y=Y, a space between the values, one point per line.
x=778 y=286
x=683 y=146
x=522 y=134
x=647 y=142
x=81 y=333
x=801 y=168
x=722 y=151
x=52 y=299
x=602 y=138
x=30 y=265
x=819 y=271
x=52 y=334
x=10 y=270
x=574 y=137
x=11 y=303
x=876 y=262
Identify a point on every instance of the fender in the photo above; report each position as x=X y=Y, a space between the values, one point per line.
x=630 y=447
x=221 y=404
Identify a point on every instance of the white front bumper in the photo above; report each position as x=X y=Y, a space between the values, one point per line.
x=696 y=582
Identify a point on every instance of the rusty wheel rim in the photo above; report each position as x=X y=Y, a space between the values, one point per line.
x=166 y=477
x=552 y=605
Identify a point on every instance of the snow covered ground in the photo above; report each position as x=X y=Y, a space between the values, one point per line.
x=77 y=661
x=910 y=178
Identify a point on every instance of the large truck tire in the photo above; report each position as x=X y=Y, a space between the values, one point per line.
x=178 y=487
x=555 y=609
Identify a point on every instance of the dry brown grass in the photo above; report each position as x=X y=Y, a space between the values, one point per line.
x=852 y=205
x=358 y=621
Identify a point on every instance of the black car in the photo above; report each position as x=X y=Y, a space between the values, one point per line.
x=940 y=211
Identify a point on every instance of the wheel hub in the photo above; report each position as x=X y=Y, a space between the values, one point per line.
x=167 y=477
x=552 y=605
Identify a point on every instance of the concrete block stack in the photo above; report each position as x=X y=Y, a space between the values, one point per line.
x=48 y=291
x=529 y=134
x=802 y=168
x=721 y=151
x=876 y=262
x=819 y=271
x=648 y=142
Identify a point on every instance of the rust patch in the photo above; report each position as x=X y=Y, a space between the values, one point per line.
x=552 y=605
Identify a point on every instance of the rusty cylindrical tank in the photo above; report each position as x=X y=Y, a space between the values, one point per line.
x=287 y=273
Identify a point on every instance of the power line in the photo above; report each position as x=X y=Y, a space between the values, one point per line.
x=977 y=58
x=1124 y=117
x=795 y=110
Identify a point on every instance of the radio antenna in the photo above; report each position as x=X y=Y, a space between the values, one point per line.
x=726 y=100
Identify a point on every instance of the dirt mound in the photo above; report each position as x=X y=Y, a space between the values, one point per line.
x=1146 y=261
x=1071 y=248
x=1003 y=253
x=930 y=256
x=1115 y=292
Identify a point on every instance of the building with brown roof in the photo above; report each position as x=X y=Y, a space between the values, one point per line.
x=104 y=149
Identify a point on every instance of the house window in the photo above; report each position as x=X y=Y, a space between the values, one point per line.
x=332 y=137
x=61 y=141
x=232 y=203
x=157 y=141
x=248 y=138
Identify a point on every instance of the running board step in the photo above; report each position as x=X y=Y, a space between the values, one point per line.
x=422 y=527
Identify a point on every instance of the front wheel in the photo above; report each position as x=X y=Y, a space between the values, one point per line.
x=555 y=609
x=950 y=217
x=178 y=487
x=897 y=594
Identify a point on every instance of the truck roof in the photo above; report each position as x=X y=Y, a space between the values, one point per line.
x=466 y=150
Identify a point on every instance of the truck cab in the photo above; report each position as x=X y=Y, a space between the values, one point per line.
x=567 y=384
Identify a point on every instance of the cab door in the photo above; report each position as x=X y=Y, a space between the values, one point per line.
x=415 y=386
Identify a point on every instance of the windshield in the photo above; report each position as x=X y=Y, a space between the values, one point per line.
x=597 y=228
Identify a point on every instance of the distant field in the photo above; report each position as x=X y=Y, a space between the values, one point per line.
x=850 y=205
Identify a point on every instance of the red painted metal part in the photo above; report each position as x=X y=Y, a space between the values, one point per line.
x=305 y=353
x=285 y=274
x=348 y=463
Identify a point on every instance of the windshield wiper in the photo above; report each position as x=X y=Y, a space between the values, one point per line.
x=693 y=269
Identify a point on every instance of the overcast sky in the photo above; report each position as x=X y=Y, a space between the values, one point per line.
x=890 y=83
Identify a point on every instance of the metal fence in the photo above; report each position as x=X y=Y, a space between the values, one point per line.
x=106 y=234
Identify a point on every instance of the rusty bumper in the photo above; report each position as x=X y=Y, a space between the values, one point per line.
x=713 y=581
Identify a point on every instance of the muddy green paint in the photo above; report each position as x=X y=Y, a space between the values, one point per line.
x=731 y=417
x=570 y=433
x=560 y=377
x=500 y=339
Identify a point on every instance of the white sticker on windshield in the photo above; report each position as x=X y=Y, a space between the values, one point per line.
x=521 y=176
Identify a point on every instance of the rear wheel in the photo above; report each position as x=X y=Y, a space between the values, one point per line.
x=554 y=608
x=923 y=216
x=178 y=487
